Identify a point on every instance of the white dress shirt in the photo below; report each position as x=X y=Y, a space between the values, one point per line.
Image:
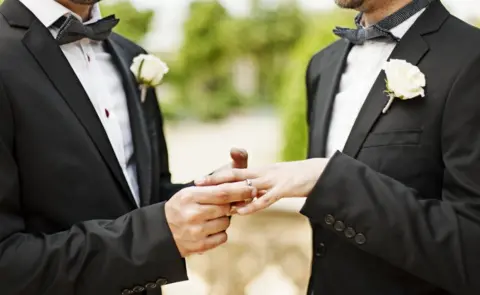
x=96 y=71
x=364 y=64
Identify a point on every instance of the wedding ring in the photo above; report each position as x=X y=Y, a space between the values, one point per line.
x=249 y=182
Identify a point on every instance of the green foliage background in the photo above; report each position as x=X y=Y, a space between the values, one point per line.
x=134 y=24
x=215 y=41
x=292 y=92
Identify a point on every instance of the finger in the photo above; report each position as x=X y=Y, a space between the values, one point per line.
x=212 y=242
x=239 y=157
x=237 y=205
x=215 y=226
x=225 y=176
x=225 y=194
x=261 y=203
x=211 y=212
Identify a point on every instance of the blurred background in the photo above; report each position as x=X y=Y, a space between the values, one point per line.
x=237 y=79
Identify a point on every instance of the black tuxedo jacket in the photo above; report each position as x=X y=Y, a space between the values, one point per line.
x=398 y=211
x=68 y=221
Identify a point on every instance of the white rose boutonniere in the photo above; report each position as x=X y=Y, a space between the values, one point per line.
x=149 y=71
x=404 y=81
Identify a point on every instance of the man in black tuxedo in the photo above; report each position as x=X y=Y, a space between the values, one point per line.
x=393 y=192
x=83 y=163
x=397 y=211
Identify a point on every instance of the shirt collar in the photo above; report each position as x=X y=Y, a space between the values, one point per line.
x=49 y=11
x=400 y=30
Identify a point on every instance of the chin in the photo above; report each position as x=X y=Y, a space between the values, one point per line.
x=85 y=2
x=350 y=4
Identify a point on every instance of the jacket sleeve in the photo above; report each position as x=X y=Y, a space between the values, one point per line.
x=93 y=257
x=160 y=149
x=437 y=240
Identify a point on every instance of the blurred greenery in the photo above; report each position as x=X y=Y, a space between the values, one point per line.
x=201 y=74
x=293 y=91
x=134 y=24
x=215 y=43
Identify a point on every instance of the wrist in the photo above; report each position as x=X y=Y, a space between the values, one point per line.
x=316 y=168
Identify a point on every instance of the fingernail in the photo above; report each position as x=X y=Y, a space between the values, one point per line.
x=233 y=211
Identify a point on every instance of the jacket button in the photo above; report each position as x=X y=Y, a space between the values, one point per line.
x=161 y=282
x=320 y=251
x=360 y=239
x=350 y=233
x=127 y=292
x=339 y=226
x=138 y=289
x=151 y=286
x=329 y=219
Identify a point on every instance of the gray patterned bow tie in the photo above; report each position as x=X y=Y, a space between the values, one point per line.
x=383 y=28
x=71 y=29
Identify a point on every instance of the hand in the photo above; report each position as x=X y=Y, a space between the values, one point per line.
x=197 y=216
x=292 y=179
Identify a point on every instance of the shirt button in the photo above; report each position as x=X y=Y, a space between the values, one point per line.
x=107 y=113
x=88 y=58
x=329 y=219
x=138 y=289
x=360 y=239
x=151 y=286
x=339 y=226
x=350 y=233
x=320 y=251
x=161 y=282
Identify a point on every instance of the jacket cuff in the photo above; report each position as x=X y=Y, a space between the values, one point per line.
x=326 y=204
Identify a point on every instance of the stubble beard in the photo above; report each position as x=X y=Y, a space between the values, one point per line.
x=350 y=4
x=85 y=2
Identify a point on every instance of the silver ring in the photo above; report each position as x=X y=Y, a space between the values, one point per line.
x=249 y=182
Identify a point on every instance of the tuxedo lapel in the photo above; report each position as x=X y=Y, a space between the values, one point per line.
x=411 y=48
x=141 y=141
x=325 y=96
x=43 y=47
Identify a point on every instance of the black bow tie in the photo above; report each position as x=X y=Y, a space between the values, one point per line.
x=71 y=29
x=382 y=29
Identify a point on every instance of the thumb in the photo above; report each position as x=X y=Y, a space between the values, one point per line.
x=239 y=157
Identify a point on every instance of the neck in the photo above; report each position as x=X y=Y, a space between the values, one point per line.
x=384 y=8
x=83 y=10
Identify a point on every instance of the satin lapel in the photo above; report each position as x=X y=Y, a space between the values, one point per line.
x=49 y=56
x=324 y=97
x=141 y=141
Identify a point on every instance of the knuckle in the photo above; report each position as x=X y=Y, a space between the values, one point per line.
x=270 y=181
x=265 y=201
x=223 y=196
x=187 y=194
x=203 y=245
x=191 y=216
x=196 y=232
